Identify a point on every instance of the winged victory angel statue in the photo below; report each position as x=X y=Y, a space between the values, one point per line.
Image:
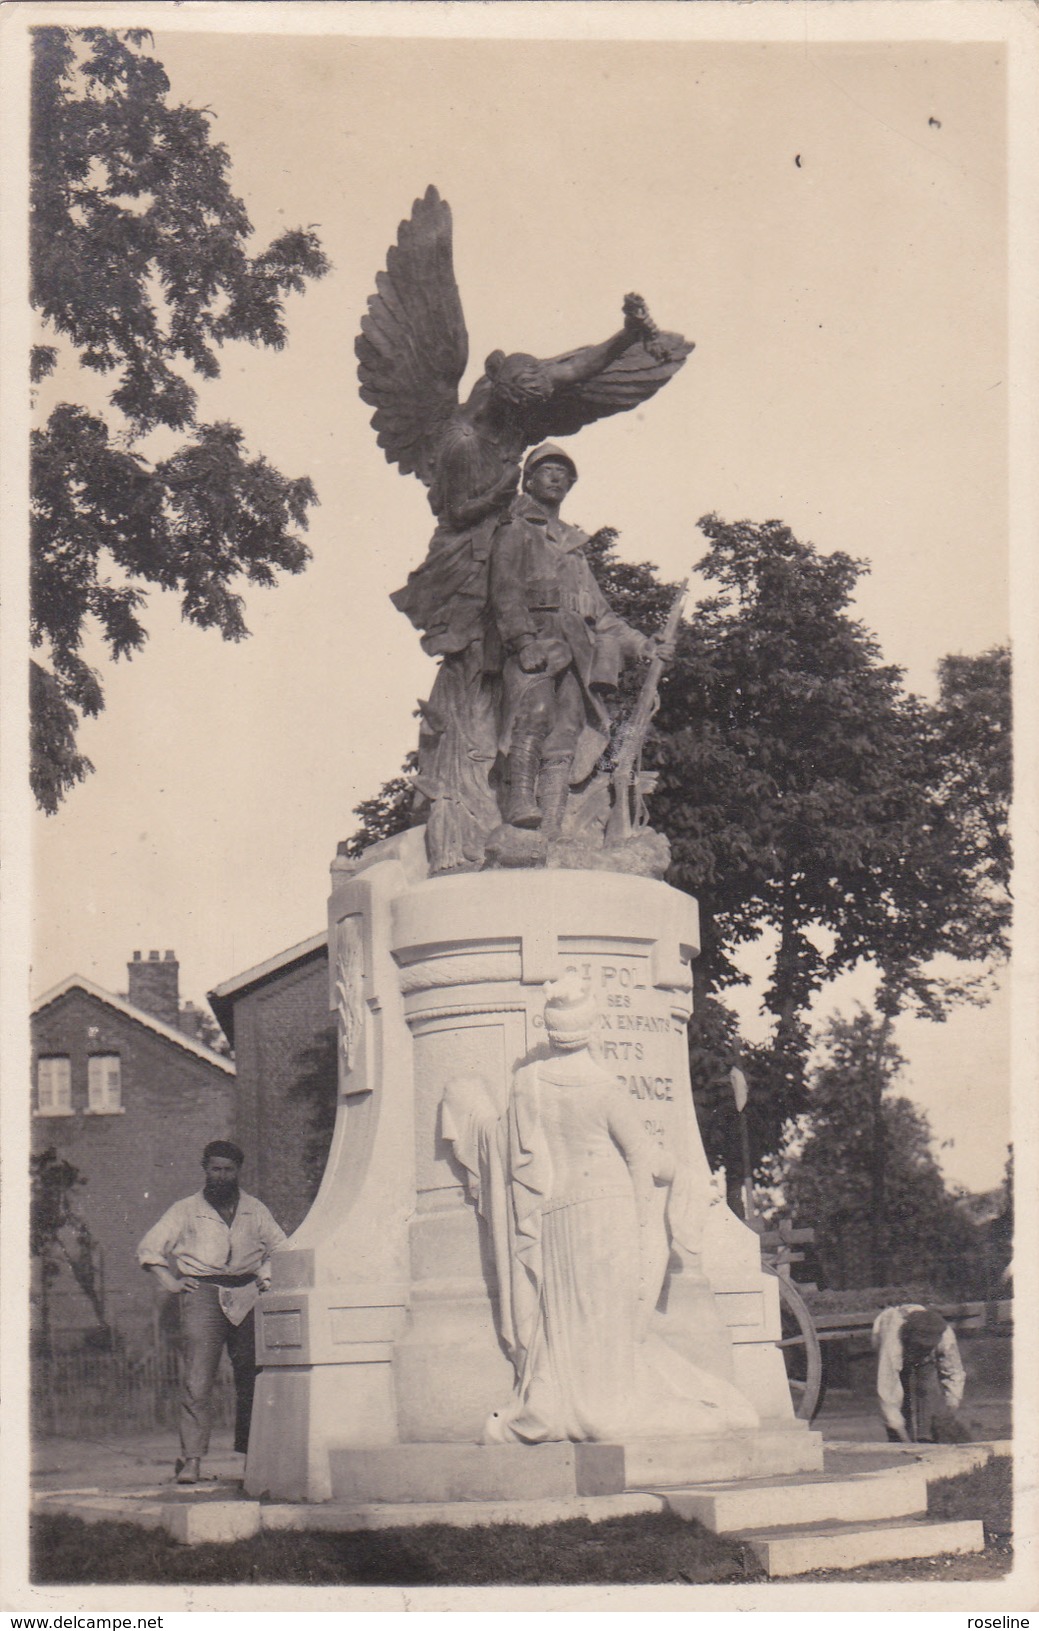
x=412 y=351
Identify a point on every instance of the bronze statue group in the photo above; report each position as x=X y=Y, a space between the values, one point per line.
x=517 y=719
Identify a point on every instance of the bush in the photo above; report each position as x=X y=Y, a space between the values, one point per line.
x=868 y=1299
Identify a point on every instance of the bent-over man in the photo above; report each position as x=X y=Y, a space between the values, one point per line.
x=213 y=1250
x=920 y=1375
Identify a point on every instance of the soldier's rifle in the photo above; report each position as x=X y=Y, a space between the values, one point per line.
x=624 y=778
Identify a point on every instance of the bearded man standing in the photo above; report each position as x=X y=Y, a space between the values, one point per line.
x=213 y=1250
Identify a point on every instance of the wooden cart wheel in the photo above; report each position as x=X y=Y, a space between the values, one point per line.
x=801 y=1351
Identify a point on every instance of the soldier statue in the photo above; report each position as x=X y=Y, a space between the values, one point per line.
x=563 y=647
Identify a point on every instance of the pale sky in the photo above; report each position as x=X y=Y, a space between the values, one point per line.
x=849 y=377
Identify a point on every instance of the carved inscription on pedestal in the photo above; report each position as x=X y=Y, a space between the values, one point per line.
x=282 y=1328
x=637 y=1032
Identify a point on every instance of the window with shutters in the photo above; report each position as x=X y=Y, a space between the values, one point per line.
x=54 y=1085
x=104 y=1084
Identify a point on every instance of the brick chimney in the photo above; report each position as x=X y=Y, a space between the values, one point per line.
x=153 y=983
x=189 y=1020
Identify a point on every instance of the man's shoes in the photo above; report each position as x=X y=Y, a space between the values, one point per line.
x=187 y=1471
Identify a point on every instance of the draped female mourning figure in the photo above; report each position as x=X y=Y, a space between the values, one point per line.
x=565 y=1183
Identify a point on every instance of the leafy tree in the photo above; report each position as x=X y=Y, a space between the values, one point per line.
x=1001 y=1230
x=138 y=260
x=953 y=892
x=715 y=1048
x=805 y=791
x=1008 y=1183
x=391 y=811
x=634 y=591
x=827 y=1172
x=210 y=1034
x=970 y=751
x=316 y=1087
x=58 y=1236
x=801 y=785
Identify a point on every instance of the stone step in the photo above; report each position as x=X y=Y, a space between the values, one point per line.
x=850 y=1546
x=337 y=1517
x=771 y=1503
x=935 y=1460
x=656 y=1463
x=198 y=1523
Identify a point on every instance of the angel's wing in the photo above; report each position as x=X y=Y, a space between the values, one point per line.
x=633 y=377
x=413 y=347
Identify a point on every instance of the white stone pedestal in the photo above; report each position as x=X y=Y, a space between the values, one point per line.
x=380 y=1328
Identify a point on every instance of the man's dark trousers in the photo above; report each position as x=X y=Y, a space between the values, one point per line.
x=207 y=1331
x=927 y=1417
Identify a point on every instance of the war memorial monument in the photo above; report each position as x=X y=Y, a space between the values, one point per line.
x=518 y=1279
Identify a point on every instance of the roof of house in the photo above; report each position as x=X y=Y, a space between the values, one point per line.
x=222 y=998
x=169 y=1033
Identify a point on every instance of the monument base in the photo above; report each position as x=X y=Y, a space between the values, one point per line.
x=476 y=1472
x=380 y=1342
x=771 y=1450
x=528 y=1472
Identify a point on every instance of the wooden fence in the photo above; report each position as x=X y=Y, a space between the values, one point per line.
x=983 y=1331
x=87 y=1394
x=974 y=1319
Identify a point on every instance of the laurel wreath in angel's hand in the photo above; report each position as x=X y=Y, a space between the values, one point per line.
x=413 y=349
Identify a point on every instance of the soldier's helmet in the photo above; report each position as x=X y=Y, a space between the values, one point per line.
x=542 y=454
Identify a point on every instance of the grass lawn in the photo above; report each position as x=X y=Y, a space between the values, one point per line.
x=646 y=1549
x=650 y=1549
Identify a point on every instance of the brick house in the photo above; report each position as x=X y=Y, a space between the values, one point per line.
x=124 y=1090
x=277 y=1018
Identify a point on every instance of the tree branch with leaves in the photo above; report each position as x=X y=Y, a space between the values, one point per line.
x=139 y=261
x=58 y=1236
